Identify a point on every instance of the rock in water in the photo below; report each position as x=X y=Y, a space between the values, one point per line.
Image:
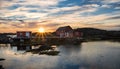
x=1 y=59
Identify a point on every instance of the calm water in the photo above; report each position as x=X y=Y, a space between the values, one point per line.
x=88 y=55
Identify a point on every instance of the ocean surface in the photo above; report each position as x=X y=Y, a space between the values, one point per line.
x=87 y=55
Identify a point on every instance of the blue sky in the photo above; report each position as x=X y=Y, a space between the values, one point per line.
x=51 y=14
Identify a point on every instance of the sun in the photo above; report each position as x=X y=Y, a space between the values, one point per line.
x=41 y=30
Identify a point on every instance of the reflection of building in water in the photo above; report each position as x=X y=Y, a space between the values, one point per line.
x=21 y=48
x=4 y=45
x=1 y=67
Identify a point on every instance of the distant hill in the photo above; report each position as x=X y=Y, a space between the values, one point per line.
x=113 y=34
x=91 y=32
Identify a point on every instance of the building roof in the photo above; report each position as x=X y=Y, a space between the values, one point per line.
x=65 y=28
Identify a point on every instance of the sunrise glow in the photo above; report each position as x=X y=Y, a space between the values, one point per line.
x=41 y=30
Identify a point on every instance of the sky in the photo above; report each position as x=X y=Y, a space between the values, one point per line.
x=30 y=15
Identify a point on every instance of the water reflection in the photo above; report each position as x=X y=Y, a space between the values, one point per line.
x=20 y=49
x=39 y=49
x=2 y=59
x=1 y=67
x=88 y=55
x=44 y=49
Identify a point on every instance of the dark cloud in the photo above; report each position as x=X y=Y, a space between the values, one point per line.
x=115 y=26
x=15 y=17
x=9 y=0
x=17 y=25
x=32 y=6
x=45 y=21
x=116 y=17
x=5 y=19
x=21 y=21
x=52 y=24
x=37 y=24
x=15 y=6
x=8 y=19
x=32 y=24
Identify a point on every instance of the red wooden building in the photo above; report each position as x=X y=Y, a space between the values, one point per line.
x=24 y=34
x=68 y=32
x=65 y=32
